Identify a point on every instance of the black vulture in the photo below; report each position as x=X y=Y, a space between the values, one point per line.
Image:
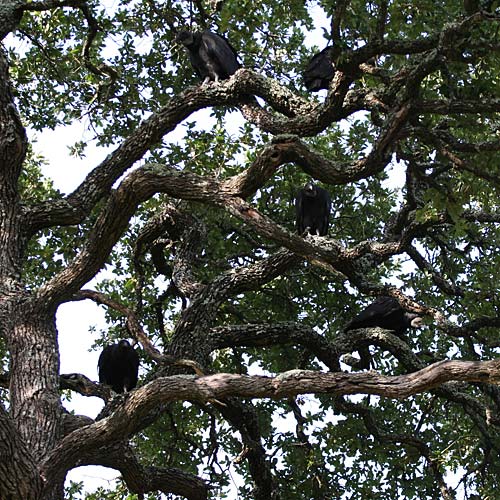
x=312 y=207
x=387 y=313
x=118 y=366
x=211 y=55
x=319 y=72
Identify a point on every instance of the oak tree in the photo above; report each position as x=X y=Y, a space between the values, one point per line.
x=238 y=319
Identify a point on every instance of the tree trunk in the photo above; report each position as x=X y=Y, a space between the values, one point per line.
x=35 y=409
x=34 y=381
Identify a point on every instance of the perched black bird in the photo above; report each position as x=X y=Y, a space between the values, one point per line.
x=211 y=55
x=320 y=70
x=386 y=313
x=118 y=366
x=312 y=207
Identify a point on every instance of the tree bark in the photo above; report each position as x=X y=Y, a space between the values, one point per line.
x=19 y=477
x=34 y=381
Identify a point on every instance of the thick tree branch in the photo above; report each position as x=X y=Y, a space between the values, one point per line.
x=327 y=351
x=326 y=252
x=127 y=418
x=185 y=235
x=137 y=187
x=72 y=381
x=288 y=148
x=84 y=386
x=265 y=334
x=13 y=144
x=99 y=182
x=190 y=332
x=187 y=252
